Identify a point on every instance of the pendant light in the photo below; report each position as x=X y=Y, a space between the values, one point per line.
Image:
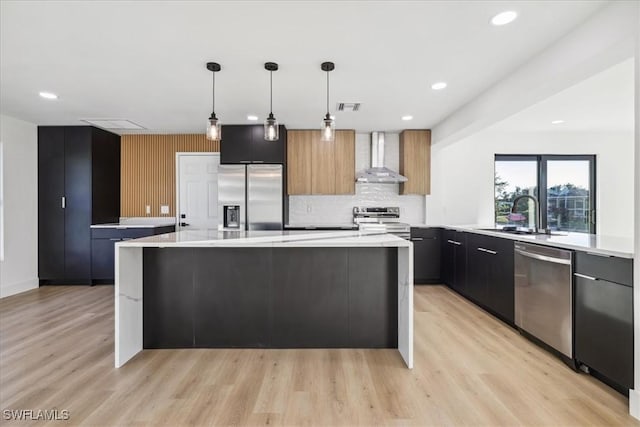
x=328 y=129
x=271 y=132
x=214 y=128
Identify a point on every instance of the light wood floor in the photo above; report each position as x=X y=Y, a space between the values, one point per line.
x=56 y=352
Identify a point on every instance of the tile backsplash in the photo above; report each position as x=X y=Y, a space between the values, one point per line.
x=338 y=209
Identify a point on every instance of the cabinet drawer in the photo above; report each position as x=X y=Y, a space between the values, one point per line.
x=613 y=269
x=426 y=233
x=121 y=233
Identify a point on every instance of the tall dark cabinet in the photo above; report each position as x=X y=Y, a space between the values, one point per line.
x=78 y=185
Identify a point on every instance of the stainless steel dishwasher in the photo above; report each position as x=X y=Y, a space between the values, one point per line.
x=543 y=296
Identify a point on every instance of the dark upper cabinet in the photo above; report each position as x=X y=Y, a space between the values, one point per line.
x=490 y=272
x=246 y=144
x=78 y=185
x=426 y=254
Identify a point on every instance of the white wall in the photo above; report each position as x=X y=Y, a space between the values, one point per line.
x=463 y=175
x=605 y=39
x=319 y=210
x=19 y=267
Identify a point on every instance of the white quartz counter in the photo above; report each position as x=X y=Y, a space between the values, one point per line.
x=129 y=274
x=276 y=238
x=594 y=243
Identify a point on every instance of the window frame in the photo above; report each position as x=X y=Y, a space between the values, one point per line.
x=541 y=188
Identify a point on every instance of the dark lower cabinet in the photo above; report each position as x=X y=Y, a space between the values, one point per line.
x=603 y=331
x=103 y=242
x=277 y=298
x=490 y=280
x=426 y=254
x=454 y=260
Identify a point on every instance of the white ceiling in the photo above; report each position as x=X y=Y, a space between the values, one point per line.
x=145 y=61
x=601 y=103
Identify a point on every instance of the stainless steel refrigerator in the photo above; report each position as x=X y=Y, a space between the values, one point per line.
x=250 y=197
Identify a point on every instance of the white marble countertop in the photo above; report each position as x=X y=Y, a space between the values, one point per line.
x=276 y=238
x=594 y=243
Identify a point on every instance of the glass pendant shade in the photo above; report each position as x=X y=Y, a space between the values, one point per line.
x=214 y=128
x=271 y=129
x=328 y=130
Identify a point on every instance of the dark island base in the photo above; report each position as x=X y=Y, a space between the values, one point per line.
x=270 y=298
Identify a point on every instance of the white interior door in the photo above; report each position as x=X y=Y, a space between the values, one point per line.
x=197 y=185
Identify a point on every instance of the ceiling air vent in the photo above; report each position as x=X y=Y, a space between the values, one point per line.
x=113 y=124
x=348 y=106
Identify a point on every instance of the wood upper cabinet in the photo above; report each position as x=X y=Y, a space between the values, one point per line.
x=299 y=162
x=415 y=161
x=320 y=167
x=345 y=161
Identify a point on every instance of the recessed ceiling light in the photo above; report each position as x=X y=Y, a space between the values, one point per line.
x=252 y=117
x=438 y=86
x=557 y=122
x=406 y=118
x=48 y=95
x=503 y=18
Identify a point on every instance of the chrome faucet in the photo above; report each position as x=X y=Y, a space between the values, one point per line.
x=537 y=220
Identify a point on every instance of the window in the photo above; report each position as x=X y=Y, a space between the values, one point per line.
x=564 y=185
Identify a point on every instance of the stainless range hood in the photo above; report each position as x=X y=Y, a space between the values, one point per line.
x=378 y=172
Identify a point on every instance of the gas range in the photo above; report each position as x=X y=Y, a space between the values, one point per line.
x=383 y=219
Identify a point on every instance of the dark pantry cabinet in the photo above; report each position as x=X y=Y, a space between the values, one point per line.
x=78 y=185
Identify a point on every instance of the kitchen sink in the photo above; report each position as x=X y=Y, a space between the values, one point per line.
x=524 y=232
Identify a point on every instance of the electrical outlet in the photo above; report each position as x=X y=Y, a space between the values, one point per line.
x=164 y=209
x=148 y=209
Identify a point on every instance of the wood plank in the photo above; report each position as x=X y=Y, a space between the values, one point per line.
x=56 y=351
x=345 y=159
x=148 y=170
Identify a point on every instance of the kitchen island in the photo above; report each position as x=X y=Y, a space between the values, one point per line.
x=264 y=289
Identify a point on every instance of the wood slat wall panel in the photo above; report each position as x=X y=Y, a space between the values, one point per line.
x=149 y=170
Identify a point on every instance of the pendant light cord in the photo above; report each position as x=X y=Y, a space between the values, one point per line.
x=270 y=92
x=327 y=92
x=213 y=93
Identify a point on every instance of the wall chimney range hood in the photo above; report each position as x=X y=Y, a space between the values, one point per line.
x=378 y=173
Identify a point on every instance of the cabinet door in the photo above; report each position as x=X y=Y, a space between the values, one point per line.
x=447 y=263
x=477 y=269
x=460 y=267
x=50 y=205
x=345 y=159
x=415 y=161
x=500 y=285
x=236 y=144
x=323 y=166
x=604 y=328
x=102 y=258
x=299 y=143
x=263 y=151
x=426 y=255
x=77 y=218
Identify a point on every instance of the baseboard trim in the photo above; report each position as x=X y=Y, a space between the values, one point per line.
x=17 y=288
x=634 y=403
